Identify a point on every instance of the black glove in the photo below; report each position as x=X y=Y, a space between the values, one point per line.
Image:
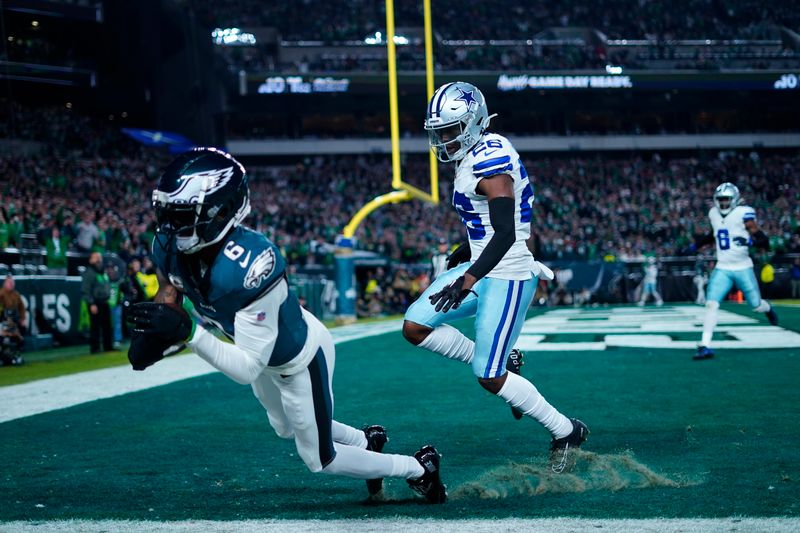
x=741 y=241
x=167 y=322
x=460 y=255
x=146 y=350
x=451 y=296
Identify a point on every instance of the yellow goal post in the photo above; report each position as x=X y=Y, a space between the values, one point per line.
x=402 y=191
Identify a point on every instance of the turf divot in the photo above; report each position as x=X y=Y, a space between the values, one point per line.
x=592 y=471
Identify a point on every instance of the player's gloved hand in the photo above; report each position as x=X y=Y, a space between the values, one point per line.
x=168 y=322
x=461 y=254
x=146 y=350
x=741 y=241
x=451 y=296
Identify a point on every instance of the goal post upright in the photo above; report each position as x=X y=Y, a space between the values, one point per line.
x=345 y=264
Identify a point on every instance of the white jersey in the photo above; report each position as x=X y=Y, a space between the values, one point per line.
x=493 y=155
x=650 y=273
x=727 y=230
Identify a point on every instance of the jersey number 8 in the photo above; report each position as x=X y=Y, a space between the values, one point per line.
x=723 y=239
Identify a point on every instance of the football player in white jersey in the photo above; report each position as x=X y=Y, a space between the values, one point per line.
x=650 y=283
x=493 y=196
x=734 y=231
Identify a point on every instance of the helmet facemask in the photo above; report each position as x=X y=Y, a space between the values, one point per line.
x=726 y=197
x=723 y=203
x=450 y=142
x=200 y=196
x=457 y=117
x=195 y=226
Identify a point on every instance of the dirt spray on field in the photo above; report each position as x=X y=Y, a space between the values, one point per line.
x=592 y=471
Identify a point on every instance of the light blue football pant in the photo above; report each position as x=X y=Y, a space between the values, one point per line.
x=499 y=309
x=721 y=282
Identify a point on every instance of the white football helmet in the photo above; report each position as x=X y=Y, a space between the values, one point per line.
x=457 y=117
x=726 y=197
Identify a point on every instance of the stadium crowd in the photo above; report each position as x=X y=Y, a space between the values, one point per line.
x=508 y=19
x=586 y=207
x=91 y=194
x=501 y=42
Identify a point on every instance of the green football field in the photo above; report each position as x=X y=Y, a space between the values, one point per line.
x=670 y=437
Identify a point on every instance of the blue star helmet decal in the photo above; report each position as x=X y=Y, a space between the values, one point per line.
x=468 y=98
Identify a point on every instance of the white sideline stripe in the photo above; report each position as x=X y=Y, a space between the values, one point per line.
x=42 y=396
x=403 y=525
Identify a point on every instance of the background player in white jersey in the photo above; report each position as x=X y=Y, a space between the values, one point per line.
x=650 y=283
x=493 y=196
x=236 y=280
x=734 y=230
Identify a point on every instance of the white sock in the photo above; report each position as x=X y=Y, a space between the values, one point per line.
x=763 y=307
x=350 y=436
x=709 y=322
x=362 y=464
x=450 y=342
x=520 y=393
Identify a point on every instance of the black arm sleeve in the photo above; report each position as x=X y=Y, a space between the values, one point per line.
x=702 y=240
x=760 y=240
x=501 y=215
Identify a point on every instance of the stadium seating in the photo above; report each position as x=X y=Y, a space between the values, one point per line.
x=646 y=203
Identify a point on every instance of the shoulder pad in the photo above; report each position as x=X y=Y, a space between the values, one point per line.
x=491 y=156
x=249 y=266
x=748 y=213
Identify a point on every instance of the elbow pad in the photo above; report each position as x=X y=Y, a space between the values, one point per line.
x=501 y=215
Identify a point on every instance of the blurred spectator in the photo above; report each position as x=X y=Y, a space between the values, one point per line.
x=439 y=259
x=56 y=246
x=795 y=277
x=88 y=232
x=115 y=280
x=133 y=290
x=96 y=289
x=508 y=19
x=11 y=339
x=148 y=279
x=11 y=300
x=13 y=321
x=5 y=231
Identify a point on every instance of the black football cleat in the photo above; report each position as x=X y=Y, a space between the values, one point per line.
x=703 y=352
x=430 y=484
x=562 y=456
x=514 y=365
x=772 y=316
x=376 y=440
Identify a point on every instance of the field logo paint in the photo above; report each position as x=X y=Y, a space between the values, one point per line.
x=660 y=327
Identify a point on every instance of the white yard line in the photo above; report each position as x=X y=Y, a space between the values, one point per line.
x=403 y=525
x=42 y=396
